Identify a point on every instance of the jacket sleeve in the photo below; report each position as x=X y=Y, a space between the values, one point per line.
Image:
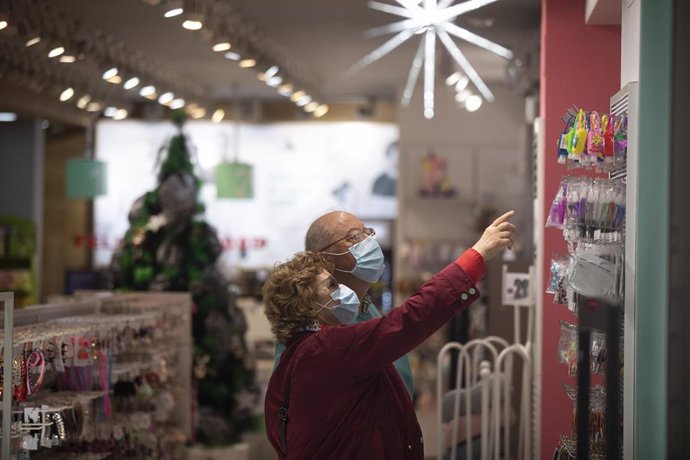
x=365 y=348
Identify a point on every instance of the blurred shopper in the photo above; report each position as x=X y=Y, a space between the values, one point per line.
x=340 y=236
x=335 y=393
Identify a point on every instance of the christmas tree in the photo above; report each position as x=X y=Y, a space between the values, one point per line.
x=169 y=247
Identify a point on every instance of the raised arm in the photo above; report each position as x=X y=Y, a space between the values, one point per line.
x=365 y=348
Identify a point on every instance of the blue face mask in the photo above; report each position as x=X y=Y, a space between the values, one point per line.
x=348 y=309
x=368 y=260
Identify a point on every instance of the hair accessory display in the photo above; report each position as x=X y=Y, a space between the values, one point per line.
x=590 y=139
x=589 y=210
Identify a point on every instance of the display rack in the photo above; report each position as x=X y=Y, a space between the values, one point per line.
x=103 y=374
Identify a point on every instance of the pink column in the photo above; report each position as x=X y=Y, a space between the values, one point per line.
x=580 y=65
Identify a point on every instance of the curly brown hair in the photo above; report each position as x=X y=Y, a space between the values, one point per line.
x=289 y=294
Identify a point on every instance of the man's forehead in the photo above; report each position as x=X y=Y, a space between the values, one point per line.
x=344 y=222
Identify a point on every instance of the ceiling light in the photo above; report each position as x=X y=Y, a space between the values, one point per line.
x=3 y=24
x=247 y=63
x=176 y=104
x=462 y=96
x=149 y=92
x=166 y=98
x=55 y=52
x=285 y=90
x=462 y=83
x=434 y=20
x=110 y=111
x=218 y=116
x=453 y=78
x=173 y=8
x=67 y=94
x=297 y=95
x=83 y=101
x=32 y=41
x=110 y=73
x=197 y=113
x=271 y=71
x=321 y=111
x=120 y=114
x=473 y=103
x=274 y=81
x=67 y=59
x=191 y=107
x=171 y=13
x=221 y=46
x=94 y=107
x=313 y=105
x=191 y=24
x=131 y=83
x=303 y=101
x=8 y=117
x=232 y=56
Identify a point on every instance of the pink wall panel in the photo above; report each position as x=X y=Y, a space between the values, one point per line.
x=580 y=65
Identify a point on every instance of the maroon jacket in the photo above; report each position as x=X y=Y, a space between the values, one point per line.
x=347 y=401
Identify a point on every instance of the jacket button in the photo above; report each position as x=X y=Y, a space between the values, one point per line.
x=464 y=296
x=472 y=291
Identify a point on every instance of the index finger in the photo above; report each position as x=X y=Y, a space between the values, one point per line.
x=504 y=218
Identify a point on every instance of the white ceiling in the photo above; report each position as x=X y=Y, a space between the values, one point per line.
x=322 y=38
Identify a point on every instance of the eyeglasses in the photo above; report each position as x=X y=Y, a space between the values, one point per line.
x=354 y=236
x=331 y=283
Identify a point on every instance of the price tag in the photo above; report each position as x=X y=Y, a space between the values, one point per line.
x=517 y=289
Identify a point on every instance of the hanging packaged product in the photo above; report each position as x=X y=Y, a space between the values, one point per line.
x=595 y=137
x=589 y=210
x=593 y=140
x=579 y=138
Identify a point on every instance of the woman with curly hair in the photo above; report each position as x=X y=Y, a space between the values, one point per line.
x=335 y=381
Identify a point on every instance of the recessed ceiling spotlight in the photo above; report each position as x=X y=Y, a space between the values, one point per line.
x=274 y=81
x=247 y=63
x=462 y=83
x=313 y=105
x=83 y=101
x=110 y=73
x=67 y=94
x=131 y=83
x=297 y=95
x=8 y=117
x=173 y=8
x=199 y=112
x=57 y=51
x=192 y=24
x=3 y=24
x=120 y=114
x=285 y=90
x=231 y=55
x=218 y=116
x=462 y=96
x=321 y=110
x=473 y=103
x=303 y=101
x=166 y=98
x=148 y=91
x=222 y=45
x=67 y=59
x=94 y=107
x=176 y=104
x=453 y=78
x=32 y=41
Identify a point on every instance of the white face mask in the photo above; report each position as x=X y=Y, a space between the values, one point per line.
x=368 y=260
x=348 y=309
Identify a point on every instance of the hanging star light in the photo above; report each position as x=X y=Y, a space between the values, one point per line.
x=431 y=19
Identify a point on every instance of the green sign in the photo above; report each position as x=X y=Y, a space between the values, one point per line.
x=235 y=180
x=86 y=178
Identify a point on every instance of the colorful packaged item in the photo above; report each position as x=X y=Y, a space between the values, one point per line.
x=607 y=126
x=579 y=139
x=595 y=137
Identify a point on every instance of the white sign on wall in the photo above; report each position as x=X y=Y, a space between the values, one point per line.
x=517 y=288
x=301 y=170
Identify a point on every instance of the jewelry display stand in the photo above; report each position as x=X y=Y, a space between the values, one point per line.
x=98 y=375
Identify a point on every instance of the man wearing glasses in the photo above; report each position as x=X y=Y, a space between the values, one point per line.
x=358 y=261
